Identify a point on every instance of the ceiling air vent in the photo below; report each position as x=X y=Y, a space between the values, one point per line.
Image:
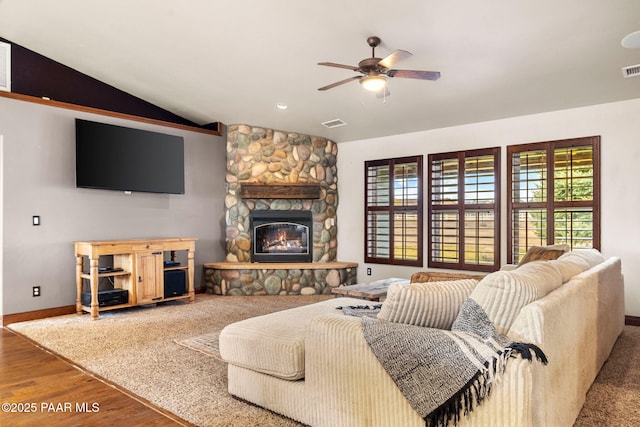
x=631 y=71
x=333 y=123
x=5 y=66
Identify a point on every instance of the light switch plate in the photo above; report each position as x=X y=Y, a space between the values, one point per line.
x=36 y=220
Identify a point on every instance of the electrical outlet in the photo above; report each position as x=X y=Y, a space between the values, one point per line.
x=368 y=271
x=36 y=291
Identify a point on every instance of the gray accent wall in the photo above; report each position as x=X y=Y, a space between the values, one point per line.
x=37 y=153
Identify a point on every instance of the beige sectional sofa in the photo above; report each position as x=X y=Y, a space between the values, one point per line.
x=313 y=364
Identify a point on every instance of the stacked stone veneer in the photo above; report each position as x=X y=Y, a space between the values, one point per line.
x=260 y=155
x=270 y=281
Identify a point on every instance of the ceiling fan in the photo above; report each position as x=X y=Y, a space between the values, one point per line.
x=375 y=70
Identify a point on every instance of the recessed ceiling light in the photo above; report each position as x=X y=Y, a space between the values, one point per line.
x=632 y=41
x=282 y=106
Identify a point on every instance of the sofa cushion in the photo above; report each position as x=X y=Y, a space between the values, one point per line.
x=503 y=293
x=569 y=267
x=434 y=304
x=592 y=256
x=544 y=253
x=274 y=343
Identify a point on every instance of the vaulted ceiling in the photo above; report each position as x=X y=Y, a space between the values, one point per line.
x=233 y=61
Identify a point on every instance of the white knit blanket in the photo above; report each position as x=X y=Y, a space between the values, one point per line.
x=444 y=374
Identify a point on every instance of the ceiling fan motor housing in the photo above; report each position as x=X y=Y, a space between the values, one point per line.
x=370 y=64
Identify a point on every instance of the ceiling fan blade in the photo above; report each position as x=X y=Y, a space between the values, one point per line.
x=341 y=82
x=333 y=64
x=413 y=74
x=395 y=56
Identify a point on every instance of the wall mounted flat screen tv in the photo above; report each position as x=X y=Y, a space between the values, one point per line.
x=114 y=157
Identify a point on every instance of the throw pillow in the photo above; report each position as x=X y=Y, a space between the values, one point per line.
x=433 y=305
x=438 y=276
x=502 y=294
x=544 y=253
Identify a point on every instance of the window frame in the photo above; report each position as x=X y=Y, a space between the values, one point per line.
x=391 y=209
x=551 y=204
x=461 y=207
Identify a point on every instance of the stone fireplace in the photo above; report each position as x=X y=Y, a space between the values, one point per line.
x=283 y=173
x=271 y=157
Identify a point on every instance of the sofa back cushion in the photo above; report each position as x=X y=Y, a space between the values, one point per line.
x=569 y=267
x=502 y=294
x=592 y=256
x=433 y=304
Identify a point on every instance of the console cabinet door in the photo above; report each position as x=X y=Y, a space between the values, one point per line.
x=149 y=280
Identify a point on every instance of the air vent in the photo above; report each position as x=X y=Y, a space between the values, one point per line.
x=333 y=123
x=631 y=71
x=5 y=66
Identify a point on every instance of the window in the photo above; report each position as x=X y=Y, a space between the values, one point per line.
x=393 y=211
x=464 y=210
x=553 y=195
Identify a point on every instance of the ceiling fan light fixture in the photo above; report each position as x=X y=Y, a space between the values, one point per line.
x=374 y=83
x=631 y=41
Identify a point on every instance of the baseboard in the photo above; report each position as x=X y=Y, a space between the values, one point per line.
x=632 y=320
x=37 y=314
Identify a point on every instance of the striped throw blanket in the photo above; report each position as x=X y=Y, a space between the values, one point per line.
x=444 y=374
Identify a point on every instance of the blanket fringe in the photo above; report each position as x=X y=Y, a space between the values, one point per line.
x=480 y=385
x=525 y=351
x=463 y=402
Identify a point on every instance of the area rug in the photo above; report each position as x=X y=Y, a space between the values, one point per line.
x=207 y=344
x=136 y=349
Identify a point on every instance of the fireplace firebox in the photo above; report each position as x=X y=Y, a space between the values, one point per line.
x=281 y=236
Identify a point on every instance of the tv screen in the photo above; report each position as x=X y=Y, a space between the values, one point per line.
x=113 y=157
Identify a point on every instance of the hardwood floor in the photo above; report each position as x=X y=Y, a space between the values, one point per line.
x=38 y=387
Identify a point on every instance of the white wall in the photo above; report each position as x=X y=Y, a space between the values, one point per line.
x=38 y=171
x=617 y=123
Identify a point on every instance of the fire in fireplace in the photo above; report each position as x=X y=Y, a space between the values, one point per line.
x=281 y=236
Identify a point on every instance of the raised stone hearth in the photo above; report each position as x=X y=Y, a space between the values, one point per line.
x=234 y=278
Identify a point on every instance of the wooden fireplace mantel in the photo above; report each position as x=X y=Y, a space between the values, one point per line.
x=253 y=190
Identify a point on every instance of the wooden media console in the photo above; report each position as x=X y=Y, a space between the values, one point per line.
x=138 y=267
